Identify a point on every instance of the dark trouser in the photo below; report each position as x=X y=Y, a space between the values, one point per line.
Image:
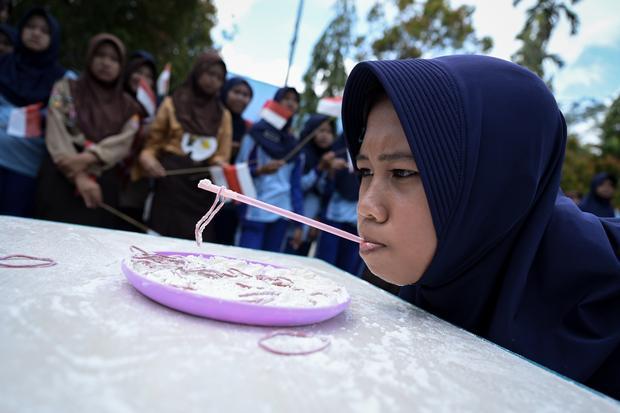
x=337 y=251
x=16 y=193
x=266 y=236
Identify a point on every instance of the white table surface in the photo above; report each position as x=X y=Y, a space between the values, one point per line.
x=78 y=337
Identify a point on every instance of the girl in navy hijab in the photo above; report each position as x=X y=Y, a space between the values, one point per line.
x=460 y=160
x=26 y=77
x=598 y=200
x=8 y=38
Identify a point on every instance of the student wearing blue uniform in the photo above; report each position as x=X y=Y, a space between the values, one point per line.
x=277 y=182
x=460 y=160
x=236 y=95
x=317 y=157
x=26 y=77
x=341 y=212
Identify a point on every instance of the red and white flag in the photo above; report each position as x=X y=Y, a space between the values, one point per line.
x=275 y=114
x=330 y=106
x=25 y=122
x=235 y=177
x=163 y=81
x=146 y=97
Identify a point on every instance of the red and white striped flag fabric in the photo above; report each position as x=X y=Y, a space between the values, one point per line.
x=163 y=81
x=235 y=177
x=146 y=97
x=25 y=122
x=330 y=106
x=275 y=114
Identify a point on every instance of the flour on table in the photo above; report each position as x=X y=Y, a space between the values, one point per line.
x=240 y=280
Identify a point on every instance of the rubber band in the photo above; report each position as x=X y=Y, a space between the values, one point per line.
x=44 y=262
x=263 y=343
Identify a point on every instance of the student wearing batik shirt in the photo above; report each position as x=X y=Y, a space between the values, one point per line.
x=277 y=182
x=134 y=192
x=460 y=159
x=191 y=129
x=26 y=78
x=91 y=125
x=341 y=212
x=8 y=39
x=236 y=95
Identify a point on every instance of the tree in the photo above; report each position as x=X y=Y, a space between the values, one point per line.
x=172 y=31
x=419 y=28
x=327 y=67
x=541 y=21
x=610 y=130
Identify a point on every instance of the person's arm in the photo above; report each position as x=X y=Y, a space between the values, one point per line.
x=58 y=140
x=224 y=141
x=112 y=149
x=148 y=164
x=297 y=195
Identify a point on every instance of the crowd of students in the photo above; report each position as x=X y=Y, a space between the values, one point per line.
x=98 y=149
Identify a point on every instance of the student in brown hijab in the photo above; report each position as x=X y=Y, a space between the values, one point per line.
x=191 y=129
x=91 y=124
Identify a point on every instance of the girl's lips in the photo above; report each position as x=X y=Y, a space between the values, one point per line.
x=368 y=247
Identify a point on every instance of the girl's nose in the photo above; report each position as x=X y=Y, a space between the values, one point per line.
x=372 y=203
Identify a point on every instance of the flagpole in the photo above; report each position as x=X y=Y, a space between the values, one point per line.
x=294 y=41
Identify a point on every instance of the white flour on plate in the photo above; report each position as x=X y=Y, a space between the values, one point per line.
x=239 y=280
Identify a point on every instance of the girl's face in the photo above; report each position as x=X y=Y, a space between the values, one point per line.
x=290 y=102
x=36 y=34
x=211 y=80
x=393 y=213
x=142 y=72
x=238 y=98
x=106 y=63
x=324 y=136
x=606 y=189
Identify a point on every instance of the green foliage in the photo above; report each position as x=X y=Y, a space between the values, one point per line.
x=173 y=31
x=422 y=27
x=610 y=131
x=327 y=67
x=541 y=21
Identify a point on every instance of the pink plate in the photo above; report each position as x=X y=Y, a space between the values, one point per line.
x=228 y=310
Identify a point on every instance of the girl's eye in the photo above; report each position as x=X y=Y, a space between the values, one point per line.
x=403 y=173
x=363 y=172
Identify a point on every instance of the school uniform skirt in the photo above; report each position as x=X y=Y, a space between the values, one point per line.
x=178 y=203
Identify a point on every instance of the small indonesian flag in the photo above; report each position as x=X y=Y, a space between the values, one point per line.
x=163 y=81
x=234 y=177
x=330 y=106
x=275 y=114
x=25 y=122
x=146 y=97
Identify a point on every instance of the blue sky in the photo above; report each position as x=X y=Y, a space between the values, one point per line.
x=264 y=27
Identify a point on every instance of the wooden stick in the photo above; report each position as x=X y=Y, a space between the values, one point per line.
x=127 y=218
x=187 y=171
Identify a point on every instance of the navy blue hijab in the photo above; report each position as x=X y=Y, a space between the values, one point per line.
x=239 y=124
x=10 y=32
x=276 y=142
x=516 y=261
x=27 y=77
x=313 y=152
x=593 y=203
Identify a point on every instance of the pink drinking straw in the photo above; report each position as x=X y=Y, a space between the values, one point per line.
x=207 y=185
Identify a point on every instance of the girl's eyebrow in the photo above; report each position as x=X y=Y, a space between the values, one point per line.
x=395 y=156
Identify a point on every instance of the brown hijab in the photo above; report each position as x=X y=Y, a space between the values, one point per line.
x=102 y=108
x=197 y=112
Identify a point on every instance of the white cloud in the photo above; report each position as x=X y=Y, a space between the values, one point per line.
x=578 y=76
